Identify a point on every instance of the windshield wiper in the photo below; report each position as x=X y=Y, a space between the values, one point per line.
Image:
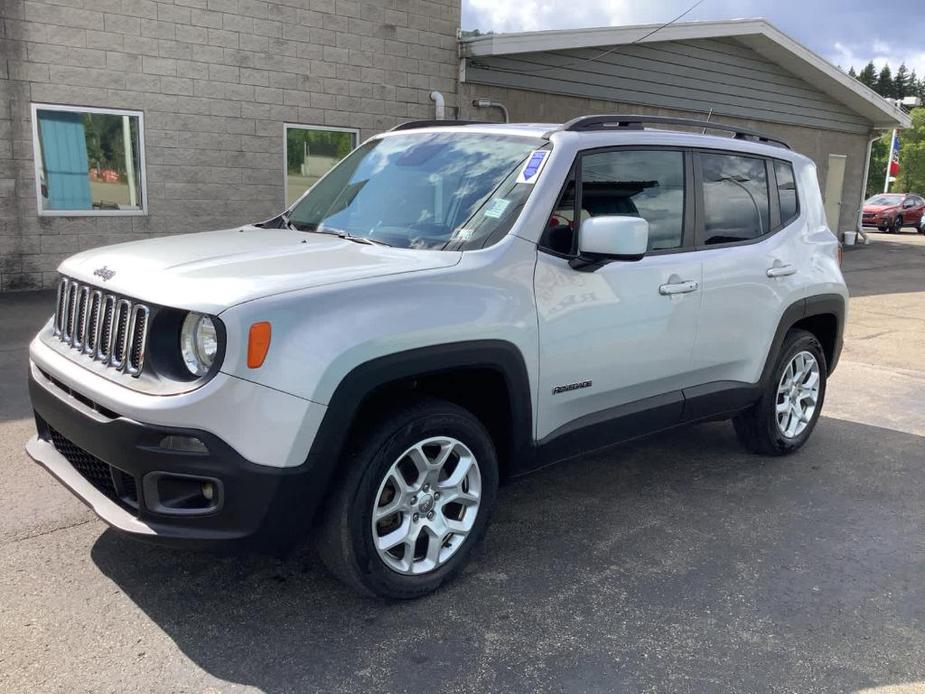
x=287 y=223
x=340 y=233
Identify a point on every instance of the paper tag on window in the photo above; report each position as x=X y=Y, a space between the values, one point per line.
x=497 y=207
x=463 y=235
x=533 y=167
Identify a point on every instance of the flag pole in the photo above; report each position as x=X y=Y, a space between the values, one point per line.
x=889 y=162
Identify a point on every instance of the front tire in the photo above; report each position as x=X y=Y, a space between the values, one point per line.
x=785 y=416
x=897 y=225
x=416 y=499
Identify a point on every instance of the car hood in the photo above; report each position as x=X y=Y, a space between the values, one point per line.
x=211 y=271
x=876 y=209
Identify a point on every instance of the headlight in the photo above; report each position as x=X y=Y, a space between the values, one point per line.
x=198 y=343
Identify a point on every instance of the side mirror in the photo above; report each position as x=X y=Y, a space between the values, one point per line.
x=607 y=238
x=908 y=203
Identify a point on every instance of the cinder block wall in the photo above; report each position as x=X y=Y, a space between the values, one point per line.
x=216 y=80
x=816 y=144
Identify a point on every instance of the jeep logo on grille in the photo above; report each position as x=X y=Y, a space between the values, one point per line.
x=105 y=273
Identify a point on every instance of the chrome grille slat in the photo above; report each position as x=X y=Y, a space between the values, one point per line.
x=138 y=331
x=80 y=317
x=105 y=348
x=93 y=322
x=120 y=334
x=107 y=328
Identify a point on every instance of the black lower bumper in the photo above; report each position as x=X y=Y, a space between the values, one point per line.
x=214 y=499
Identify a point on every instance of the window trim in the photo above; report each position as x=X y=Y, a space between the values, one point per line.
x=37 y=161
x=304 y=126
x=688 y=227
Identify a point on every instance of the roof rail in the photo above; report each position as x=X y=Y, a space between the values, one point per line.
x=637 y=122
x=408 y=125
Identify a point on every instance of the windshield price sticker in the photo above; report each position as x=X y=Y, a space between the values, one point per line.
x=533 y=167
x=497 y=208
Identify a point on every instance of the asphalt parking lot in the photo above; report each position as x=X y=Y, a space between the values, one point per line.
x=675 y=564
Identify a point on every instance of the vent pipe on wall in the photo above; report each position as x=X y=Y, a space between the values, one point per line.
x=439 y=105
x=487 y=103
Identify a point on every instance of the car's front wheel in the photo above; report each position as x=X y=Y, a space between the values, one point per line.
x=897 y=225
x=785 y=416
x=413 y=502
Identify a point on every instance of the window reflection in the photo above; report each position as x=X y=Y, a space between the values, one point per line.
x=88 y=161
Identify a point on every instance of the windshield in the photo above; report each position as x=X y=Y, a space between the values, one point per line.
x=423 y=190
x=885 y=200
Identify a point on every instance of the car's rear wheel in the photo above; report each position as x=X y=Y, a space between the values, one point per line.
x=414 y=501
x=785 y=416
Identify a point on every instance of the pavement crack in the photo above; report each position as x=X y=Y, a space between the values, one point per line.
x=49 y=531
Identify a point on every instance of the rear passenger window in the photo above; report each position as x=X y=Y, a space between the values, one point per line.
x=735 y=198
x=786 y=191
x=643 y=183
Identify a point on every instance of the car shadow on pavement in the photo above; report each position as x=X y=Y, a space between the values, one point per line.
x=678 y=561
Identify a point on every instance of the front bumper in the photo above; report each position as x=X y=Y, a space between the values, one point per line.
x=118 y=467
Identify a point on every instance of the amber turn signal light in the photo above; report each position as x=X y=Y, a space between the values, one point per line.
x=258 y=344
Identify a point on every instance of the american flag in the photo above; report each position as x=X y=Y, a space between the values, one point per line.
x=894 y=155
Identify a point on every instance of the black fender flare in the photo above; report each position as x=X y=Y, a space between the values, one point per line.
x=366 y=378
x=818 y=305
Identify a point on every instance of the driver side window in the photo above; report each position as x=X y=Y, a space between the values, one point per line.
x=624 y=182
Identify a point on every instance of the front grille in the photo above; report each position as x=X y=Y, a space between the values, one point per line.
x=109 y=329
x=117 y=485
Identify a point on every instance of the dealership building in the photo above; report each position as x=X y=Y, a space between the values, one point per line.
x=126 y=119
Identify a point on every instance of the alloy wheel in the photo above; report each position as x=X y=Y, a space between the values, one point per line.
x=798 y=394
x=426 y=505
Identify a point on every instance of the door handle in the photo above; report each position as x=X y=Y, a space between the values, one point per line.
x=782 y=270
x=678 y=288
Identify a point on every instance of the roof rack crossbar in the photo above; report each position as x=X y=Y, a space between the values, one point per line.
x=637 y=122
x=408 y=125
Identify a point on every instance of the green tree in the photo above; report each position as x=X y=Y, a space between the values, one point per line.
x=877 y=172
x=884 y=85
x=912 y=155
x=868 y=75
x=902 y=82
x=852 y=73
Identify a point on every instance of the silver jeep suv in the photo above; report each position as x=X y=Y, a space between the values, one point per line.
x=451 y=305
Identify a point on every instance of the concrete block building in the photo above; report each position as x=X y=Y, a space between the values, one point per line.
x=125 y=119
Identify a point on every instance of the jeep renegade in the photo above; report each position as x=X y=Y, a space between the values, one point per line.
x=451 y=305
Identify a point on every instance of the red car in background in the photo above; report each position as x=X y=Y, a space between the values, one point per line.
x=891 y=212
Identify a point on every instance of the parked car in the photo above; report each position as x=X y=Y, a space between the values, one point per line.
x=891 y=212
x=429 y=319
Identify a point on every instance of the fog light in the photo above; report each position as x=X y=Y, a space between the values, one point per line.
x=208 y=490
x=186 y=444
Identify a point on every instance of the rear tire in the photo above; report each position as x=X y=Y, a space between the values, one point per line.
x=785 y=416
x=394 y=470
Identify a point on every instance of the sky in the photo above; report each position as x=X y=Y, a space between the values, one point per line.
x=845 y=32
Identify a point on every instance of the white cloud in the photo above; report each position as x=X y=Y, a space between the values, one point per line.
x=835 y=35
x=535 y=15
x=880 y=52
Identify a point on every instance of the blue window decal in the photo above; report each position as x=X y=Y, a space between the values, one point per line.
x=64 y=152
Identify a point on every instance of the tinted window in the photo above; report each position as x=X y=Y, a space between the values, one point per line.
x=560 y=229
x=786 y=190
x=647 y=184
x=735 y=198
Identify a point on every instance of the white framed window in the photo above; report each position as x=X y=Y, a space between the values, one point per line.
x=310 y=152
x=88 y=161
